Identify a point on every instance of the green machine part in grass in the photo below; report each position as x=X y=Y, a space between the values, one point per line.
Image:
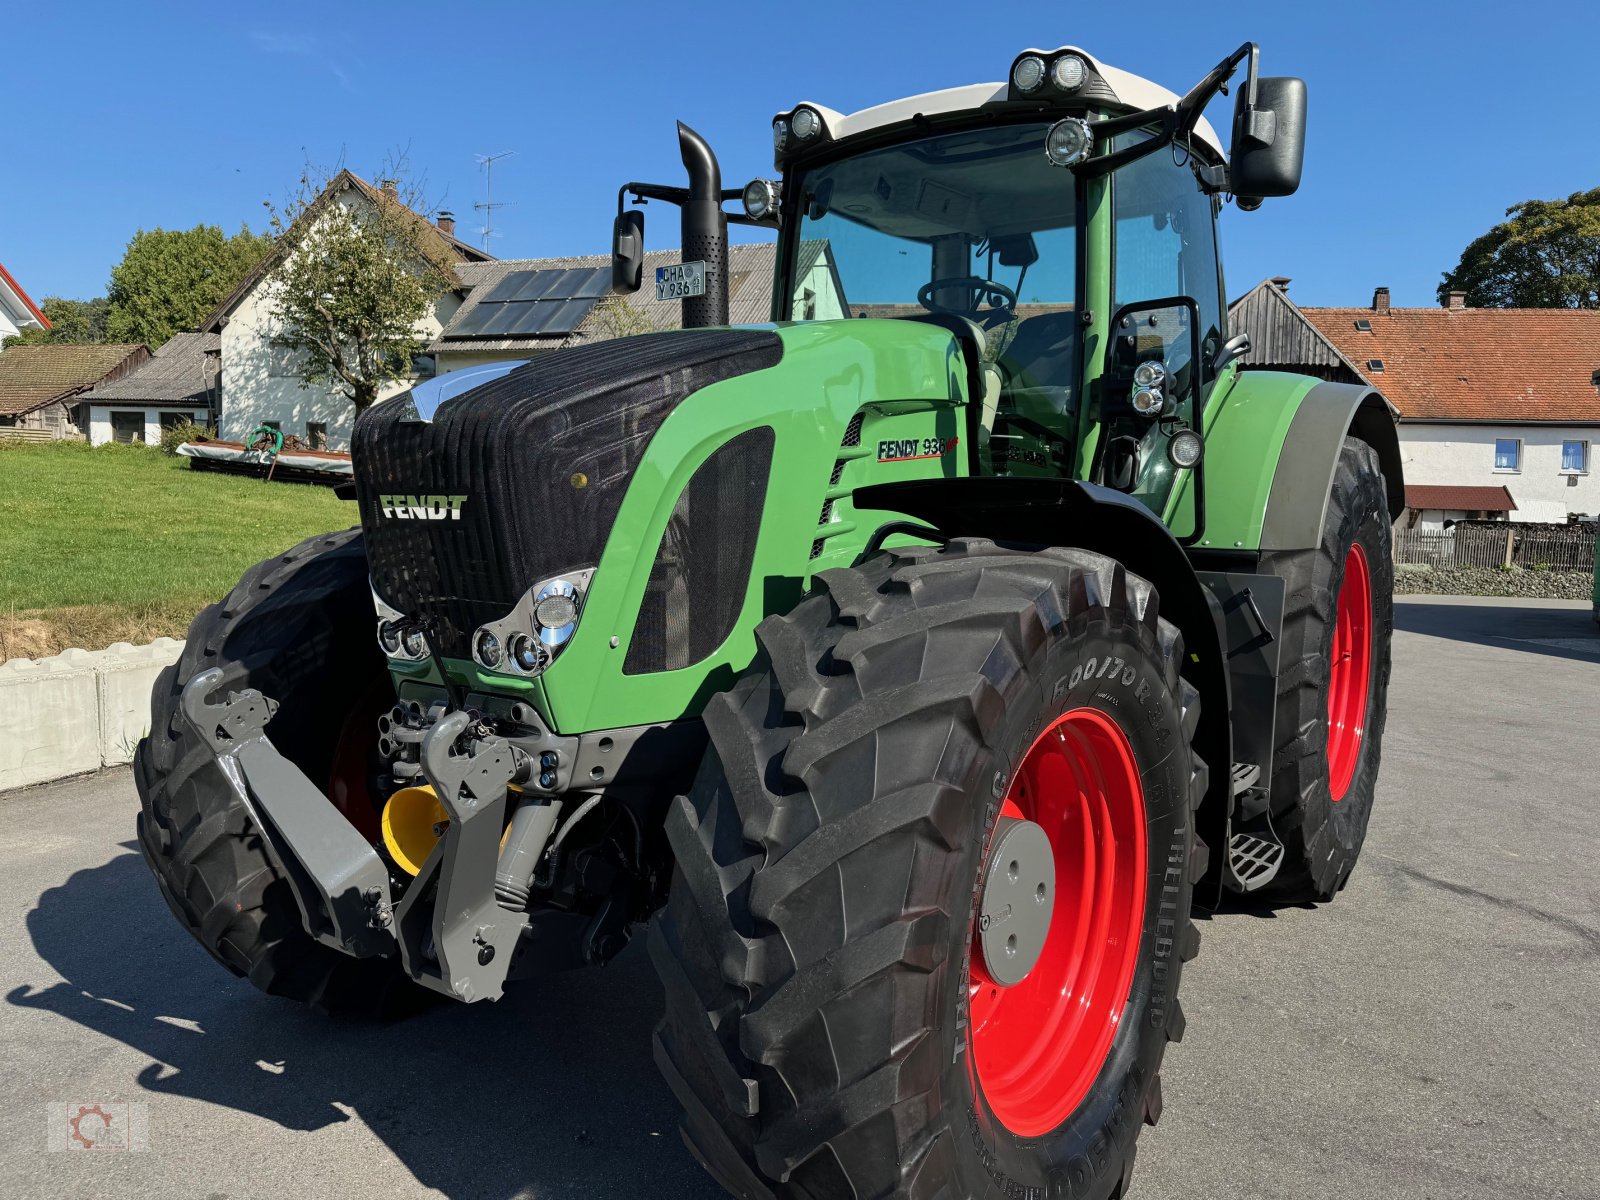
x=909 y=663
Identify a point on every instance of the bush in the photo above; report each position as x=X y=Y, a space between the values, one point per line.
x=174 y=436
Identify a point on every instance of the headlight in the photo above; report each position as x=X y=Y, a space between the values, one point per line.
x=486 y=649
x=389 y=638
x=1150 y=373
x=760 y=199
x=1069 y=142
x=1068 y=72
x=1147 y=401
x=555 y=611
x=528 y=655
x=414 y=643
x=1028 y=74
x=805 y=124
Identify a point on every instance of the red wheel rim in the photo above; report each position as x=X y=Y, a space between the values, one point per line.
x=1349 y=672
x=1038 y=1046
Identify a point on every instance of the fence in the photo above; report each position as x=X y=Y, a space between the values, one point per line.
x=1552 y=547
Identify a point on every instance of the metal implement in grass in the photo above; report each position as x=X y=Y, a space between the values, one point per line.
x=906 y=663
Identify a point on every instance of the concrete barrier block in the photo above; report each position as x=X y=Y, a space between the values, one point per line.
x=126 y=675
x=49 y=718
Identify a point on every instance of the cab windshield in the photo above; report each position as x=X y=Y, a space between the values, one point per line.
x=975 y=224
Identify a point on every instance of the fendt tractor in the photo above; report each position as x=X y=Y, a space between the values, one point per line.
x=910 y=664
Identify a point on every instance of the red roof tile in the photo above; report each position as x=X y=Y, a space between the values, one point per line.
x=1479 y=364
x=1463 y=498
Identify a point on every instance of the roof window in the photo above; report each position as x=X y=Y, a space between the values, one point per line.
x=1364 y=325
x=1375 y=365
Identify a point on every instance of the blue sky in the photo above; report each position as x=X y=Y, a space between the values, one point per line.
x=1426 y=120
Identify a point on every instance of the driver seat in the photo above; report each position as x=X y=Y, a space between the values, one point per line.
x=987 y=380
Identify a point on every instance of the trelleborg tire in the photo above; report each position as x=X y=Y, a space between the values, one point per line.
x=299 y=628
x=1333 y=683
x=828 y=1018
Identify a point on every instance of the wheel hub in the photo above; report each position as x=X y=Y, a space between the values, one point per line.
x=1017 y=898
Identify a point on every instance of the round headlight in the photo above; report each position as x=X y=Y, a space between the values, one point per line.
x=1147 y=401
x=1185 y=448
x=486 y=649
x=760 y=199
x=1068 y=72
x=1150 y=373
x=1068 y=142
x=780 y=134
x=528 y=655
x=555 y=611
x=805 y=124
x=1028 y=74
x=389 y=638
x=414 y=643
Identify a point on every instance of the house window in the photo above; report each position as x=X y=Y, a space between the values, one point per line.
x=1508 y=454
x=317 y=435
x=171 y=420
x=1375 y=365
x=127 y=427
x=1574 y=458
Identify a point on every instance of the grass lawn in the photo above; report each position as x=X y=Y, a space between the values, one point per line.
x=125 y=543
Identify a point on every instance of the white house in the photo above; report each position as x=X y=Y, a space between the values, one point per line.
x=1499 y=408
x=260 y=384
x=17 y=310
x=177 y=384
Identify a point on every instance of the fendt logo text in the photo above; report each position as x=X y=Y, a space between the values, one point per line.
x=423 y=508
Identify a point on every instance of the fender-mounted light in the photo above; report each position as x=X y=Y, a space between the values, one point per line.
x=1147 y=401
x=1185 y=449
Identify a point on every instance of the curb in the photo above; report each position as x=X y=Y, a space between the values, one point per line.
x=76 y=711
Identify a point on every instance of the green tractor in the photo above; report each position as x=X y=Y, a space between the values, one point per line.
x=910 y=664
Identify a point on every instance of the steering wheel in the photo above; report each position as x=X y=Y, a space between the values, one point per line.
x=999 y=295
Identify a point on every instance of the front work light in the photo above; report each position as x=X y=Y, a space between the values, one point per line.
x=1068 y=72
x=1069 y=142
x=1028 y=74
x=1185 y=449
x=805 y=124
x=760 y=199
x=555 y=611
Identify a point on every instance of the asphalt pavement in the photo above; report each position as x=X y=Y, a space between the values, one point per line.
x=1431 y=1034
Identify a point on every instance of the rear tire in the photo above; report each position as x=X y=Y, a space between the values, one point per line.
x=298 y=628
x=1322 y=836
x=817 y=948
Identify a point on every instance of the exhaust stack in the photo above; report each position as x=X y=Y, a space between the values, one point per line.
x=705 y=230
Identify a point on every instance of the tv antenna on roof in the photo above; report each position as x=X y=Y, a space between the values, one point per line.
x=489 y=204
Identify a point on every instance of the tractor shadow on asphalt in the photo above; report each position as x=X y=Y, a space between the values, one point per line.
x=550 y=1092
x=1560 y=632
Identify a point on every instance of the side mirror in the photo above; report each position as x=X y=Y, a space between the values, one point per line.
x=1269 y=139
x=627 y=251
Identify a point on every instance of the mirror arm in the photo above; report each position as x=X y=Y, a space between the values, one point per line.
x=1235 y=347
x=650 y=191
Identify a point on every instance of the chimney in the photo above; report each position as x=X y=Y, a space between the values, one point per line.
x=1281 y=282
x=1380 y=299
x=1458 y=300
x=446 y=220
x=391 y=188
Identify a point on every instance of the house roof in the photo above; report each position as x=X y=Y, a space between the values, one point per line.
x=1508 y=365
x=176 y=374
x=749 y=300
x=33 y=376
x=1459 y=498
x=21 y=298
x=445 y=250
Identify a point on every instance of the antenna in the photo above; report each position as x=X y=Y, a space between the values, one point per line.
x=489 y=204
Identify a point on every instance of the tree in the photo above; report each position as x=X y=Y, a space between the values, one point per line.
x=364 y=269
x=170 y=279
x=1546 y=256
x=71 y=321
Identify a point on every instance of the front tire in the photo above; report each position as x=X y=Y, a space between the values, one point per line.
x=298 y=628
x=829 y=1025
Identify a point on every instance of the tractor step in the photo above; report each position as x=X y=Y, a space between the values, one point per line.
x=1253 y=861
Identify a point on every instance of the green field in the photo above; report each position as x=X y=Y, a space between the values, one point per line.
x=125 y=543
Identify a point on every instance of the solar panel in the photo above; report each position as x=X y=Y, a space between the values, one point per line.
x=536 y=303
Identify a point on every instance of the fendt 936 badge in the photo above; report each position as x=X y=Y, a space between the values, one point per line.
x=906 y=665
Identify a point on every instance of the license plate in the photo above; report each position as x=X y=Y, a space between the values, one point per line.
x=682 y=279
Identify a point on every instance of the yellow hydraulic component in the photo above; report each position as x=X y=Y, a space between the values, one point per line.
x=413 y=822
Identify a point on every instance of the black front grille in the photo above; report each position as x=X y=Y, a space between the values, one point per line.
x=702 y=569
x=543 y=456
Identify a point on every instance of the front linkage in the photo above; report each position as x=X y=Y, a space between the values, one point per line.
x=458 y=927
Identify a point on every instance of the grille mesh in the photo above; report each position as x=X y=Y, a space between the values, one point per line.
x=852 y=437
x=701 y=572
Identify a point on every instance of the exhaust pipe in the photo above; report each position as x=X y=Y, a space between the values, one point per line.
x=705 y=230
